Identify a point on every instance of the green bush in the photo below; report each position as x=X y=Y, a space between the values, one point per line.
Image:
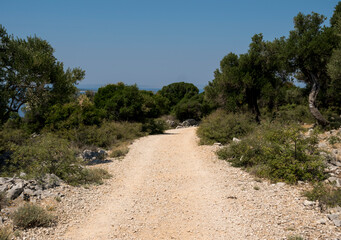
x=280 y=153
x=154 y=126
x=175 y=92
x=293 y=113
x=194 y=107
x=30 y=216
x=73 y=114
x=223 y=127
x=45 y=154
x=326 y=195
x=334 y=139
x=120 y=102
x=88 y=176
x=104 y=136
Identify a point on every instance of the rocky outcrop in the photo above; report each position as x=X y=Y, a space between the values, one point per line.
x=17 y=187
x=92 y=157
x=188 y=123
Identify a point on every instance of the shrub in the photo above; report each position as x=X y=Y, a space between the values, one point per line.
x=326 y=195
x=5 y=233
x=88 y=176
x=280 y=153
x=293 y=113
x=120 y=150
x=73 y=114
x=192 y=108
x=222 y=127
x=30 y=216
x=45 y=154
x=104 y=136
x=175 y=92
x=296 y=237
x=334 y=139
x=154 y=126
x=4 y=201
x=120 y=102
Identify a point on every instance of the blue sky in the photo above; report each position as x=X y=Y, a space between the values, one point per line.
x=152 y=42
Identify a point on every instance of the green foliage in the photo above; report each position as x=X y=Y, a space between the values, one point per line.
x=326 y=195
x=88 y=176
x=292 y=113
x=104 y=136
x=73 y=114
x=277 y=152
x=120 y=102
x=243 y=80
x=31 y=75
x=119 y=153
x=296 y=237
x=154 y=126
x=154 y=105
x=334 y=139
x=195 y=107
x=175 y=92
x=44 y=154
x=30 y=216
x=223 y=127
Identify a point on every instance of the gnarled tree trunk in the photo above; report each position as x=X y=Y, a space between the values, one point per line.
x=312 y=99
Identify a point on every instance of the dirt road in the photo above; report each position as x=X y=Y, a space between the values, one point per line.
x=168 y=187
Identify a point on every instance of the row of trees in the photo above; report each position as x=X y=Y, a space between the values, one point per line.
x=33 y=80
x=311 y=54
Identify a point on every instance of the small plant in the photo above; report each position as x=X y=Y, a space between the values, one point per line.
x=154 y=126
x=280 y=153
x=296 y=237
x=334 y=139
x=5 y=233
x=45 y=154
x=58 y=199
x=223 y=127
x=256 y=188
x=119 y=153
x=327 y=195
x=30 y=216
x=4 y=201
x=120 y=150
x=89 y=176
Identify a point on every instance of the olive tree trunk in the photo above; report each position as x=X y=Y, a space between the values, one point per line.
x=312 y=100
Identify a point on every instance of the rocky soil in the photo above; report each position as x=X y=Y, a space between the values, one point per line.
x=168 y=187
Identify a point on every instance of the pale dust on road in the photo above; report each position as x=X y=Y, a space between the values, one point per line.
x=168 y=187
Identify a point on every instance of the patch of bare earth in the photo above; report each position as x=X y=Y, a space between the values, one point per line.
x=168 y=187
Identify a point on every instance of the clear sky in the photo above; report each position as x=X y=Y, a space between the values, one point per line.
x=152 y=42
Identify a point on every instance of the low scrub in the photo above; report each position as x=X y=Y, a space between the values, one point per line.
x=88 y=176
x=326 y=194
x=154 y=126
x=280 y=153
x=293 y=113
x=45 y=154
x=4 y=201
x=120 y=150
x=5 y=233
x=104 y=136
x=223 y=127
x=30 y=216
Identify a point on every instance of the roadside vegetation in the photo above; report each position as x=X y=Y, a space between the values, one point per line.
x=267 y=114
x=252 y=98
